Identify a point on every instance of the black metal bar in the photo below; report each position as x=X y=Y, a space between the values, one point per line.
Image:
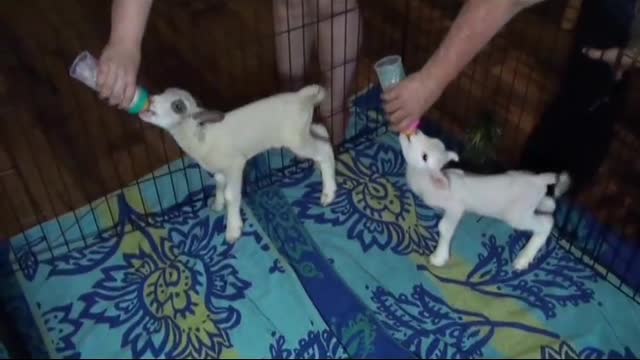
x=103 y=123
x=344 y=113
x=104 y=190
x=182 y=162
x=56 y=30
x=23 y=228
x=12 y=208
x=67 y=190
x=357 y=70
x=304 y=41
x=332 y=128
x=38 y=211
x=523 y=102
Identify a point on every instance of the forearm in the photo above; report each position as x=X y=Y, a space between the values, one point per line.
x=128 y=21
x=476 y=24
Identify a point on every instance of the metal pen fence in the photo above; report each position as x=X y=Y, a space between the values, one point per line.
x=61 y=148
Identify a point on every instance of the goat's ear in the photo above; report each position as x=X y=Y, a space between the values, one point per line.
x=453 y=156
x=208 y=117
x=439 y=180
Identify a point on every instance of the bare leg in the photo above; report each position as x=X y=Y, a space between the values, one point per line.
x=339 y=40
x=233 y=197
x=541 y=225
x=218 y=203
x=294 y=43
x=446 y=227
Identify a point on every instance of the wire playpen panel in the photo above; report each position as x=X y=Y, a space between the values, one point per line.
x=61 y=148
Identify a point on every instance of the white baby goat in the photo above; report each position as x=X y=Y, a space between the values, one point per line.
x=515 y=197
x=222 y=143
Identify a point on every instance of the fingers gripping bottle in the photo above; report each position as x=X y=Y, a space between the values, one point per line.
x=85 y=70
x=390 y=72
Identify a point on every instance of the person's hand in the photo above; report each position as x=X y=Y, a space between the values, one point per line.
x=622 y=59
x=406 y=102
x=117 y=74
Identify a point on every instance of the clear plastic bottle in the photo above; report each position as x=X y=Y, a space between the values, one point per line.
x=85 y=70
x=390 y=72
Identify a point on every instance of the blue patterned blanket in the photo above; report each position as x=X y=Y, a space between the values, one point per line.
x=3 y=352
x=304 y=281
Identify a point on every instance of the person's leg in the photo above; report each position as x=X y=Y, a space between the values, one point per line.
x=294 y=45
x=339 y=40
x=294 y=42
x=576 y=130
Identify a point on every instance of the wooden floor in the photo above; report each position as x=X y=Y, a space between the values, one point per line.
x=60 y=147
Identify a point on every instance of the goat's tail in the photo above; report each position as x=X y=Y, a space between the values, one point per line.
x=548 y=178
x=559 y=181
x=319 y=132
x=313 y=94
x=562 y=184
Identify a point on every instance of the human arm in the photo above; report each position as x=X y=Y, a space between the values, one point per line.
x=120 y=59
x=476 y=24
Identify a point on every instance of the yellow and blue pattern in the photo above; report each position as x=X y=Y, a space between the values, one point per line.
x=350 y=280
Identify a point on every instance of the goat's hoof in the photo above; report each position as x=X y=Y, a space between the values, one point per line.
x=218 y=206
x=438 y=260
x=521 y=263
x=327 y=197
x=233 y=233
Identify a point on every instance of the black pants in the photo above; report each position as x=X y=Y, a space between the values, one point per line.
x=576 y=130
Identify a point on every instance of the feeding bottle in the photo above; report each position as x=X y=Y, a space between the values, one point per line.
x=85 y=70
x=390 y=72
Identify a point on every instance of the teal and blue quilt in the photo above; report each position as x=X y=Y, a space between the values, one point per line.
x=349 y=280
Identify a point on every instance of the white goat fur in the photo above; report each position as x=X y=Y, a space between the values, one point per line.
x=515 y=197
x=224 y=144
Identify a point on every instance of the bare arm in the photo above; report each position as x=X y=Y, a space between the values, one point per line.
x=476 y=24
x=120 y=58
x=128 y=21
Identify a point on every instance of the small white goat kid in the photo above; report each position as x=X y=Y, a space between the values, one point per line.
x=222 y=143
x=517 y=198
